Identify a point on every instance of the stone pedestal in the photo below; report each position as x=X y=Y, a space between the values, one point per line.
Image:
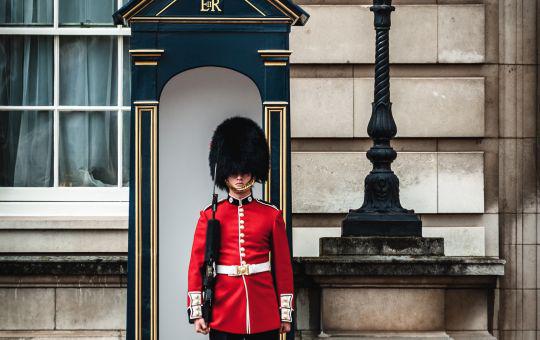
x=47 y=297
x=394 y=288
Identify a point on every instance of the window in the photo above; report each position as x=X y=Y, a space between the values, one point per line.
x=64 y=101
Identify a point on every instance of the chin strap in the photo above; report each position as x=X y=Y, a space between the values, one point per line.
x=240 y=190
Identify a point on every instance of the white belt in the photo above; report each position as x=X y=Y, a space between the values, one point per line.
x=246 y=269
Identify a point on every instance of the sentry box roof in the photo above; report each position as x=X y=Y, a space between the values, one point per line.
x=208 y=11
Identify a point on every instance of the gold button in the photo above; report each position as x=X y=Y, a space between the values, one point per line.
x=241 y=234
x=241 y=241
x=241 y=214
x=241 y=227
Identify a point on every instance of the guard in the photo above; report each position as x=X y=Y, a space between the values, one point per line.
x=247 y=303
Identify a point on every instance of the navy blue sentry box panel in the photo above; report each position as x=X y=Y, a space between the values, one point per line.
x=172 y=36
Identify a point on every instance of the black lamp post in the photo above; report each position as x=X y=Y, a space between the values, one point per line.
x=381 y=214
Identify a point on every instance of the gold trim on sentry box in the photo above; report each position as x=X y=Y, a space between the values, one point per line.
x=268 y=139
x=255 y=7
x=165 y=8
x=151 y=108
x=137 y=144
x=275 y=63
x=275 y=53
x=137 y=8
x=154 y=216
x=146 y=63
x=281 y=109
x=212 y=20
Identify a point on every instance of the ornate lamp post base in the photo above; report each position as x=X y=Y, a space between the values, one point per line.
x=382 y=213
x=381 y=224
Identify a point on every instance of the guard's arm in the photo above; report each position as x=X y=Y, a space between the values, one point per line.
x=283 y=268
x=194 y=295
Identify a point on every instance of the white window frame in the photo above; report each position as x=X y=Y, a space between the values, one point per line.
x=35 y=200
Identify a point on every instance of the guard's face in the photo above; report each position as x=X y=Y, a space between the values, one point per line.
x=239 y=180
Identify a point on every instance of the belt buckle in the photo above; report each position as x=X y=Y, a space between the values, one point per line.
x=242 y=270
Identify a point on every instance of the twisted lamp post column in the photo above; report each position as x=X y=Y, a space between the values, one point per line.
x=382 y=213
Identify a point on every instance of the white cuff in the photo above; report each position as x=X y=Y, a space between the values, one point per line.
x=195 y=308
x=286 y=307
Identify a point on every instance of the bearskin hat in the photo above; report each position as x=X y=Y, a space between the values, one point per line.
x=238 y=146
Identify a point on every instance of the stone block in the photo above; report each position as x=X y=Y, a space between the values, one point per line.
x=26 y=308
x=537 y=309
x=335 y=34
x=323 y=107
x=90 y=308
x=529 y=175
x=509 y=303
x=327 y=182
x=509 y=254
x=332 y=182
x=508 y=101
x=306 y=240
x=63 y=222
x=417 y=180
x=471 y=335
x=460 y=182
x=427 y=107
x=489 y=222
x=529 y=309
x=492 y=234
x=461 y=34
x=44 y=208
x=413 y=35
x=407 y=335
x=529 y=266
x=459 y=241
x=307 y=308
x=74 y=241
x=492 y=31
x=517 y=29
x=517 y=335
x=517 y=93
x=345 y=34
x=466 y=309
x=380 y=309
x=63 y=335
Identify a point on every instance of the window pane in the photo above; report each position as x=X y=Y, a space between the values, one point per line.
x=126 y=120
x=88 y=153
x=26 y=70
x=127 y=73
x=88 y=70
x=26 y=149
x=26 y=12
x=86 y=12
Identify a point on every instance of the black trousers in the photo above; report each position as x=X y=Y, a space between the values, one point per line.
x=270 y=335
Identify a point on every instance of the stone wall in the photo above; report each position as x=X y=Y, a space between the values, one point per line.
x=444 y=91
x=464 y=93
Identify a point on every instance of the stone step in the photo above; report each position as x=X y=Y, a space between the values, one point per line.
x=381 y=245
x=385 y=335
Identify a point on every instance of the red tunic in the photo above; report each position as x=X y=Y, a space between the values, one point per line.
x=250 y=230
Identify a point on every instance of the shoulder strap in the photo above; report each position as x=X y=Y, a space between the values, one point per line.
x=210 y=205
x=267 y=203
